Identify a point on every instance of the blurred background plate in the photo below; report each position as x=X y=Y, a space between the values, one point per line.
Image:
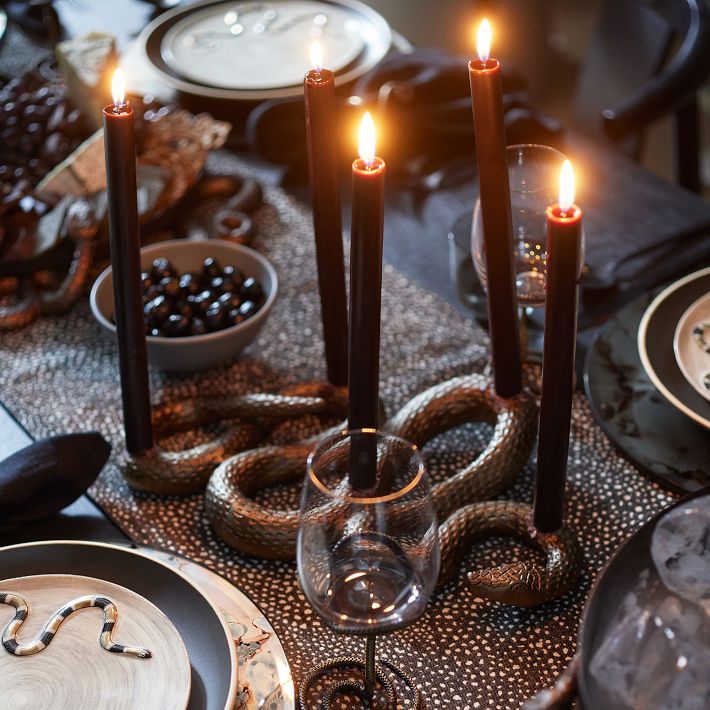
x=655 y=344
x=199 y=622
x=222 y=49
x=692 y=353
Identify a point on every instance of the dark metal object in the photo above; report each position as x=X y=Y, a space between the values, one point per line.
x=252 y=528
x=374 y=672
x=177 y=473
x=562 y=693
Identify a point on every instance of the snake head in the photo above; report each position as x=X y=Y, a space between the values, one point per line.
x=518 y=584
x=529 y=584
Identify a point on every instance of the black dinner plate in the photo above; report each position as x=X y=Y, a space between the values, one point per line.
x=655 y=345
x=644 y=427
x=619 y=577
x=203 y=631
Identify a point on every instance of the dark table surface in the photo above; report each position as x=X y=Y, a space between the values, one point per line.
x=415 y=243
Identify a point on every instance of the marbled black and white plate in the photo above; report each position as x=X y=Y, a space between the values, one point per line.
x=644 y=427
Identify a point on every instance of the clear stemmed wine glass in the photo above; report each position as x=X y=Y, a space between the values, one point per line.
x=368 y=556
x=534 y=176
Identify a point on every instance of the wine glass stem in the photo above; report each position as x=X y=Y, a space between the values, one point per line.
x=370 y=678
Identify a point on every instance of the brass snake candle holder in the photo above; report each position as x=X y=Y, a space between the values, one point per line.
x=233 y=471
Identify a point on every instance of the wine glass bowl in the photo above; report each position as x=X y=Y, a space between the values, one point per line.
x=533 y=174
x=368 y=557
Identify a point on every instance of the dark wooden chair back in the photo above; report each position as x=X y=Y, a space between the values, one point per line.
x=647 y=58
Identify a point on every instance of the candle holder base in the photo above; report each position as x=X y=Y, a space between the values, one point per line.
x=185 y=472
x=257 y=530
x=525 y=584
x=375 y=672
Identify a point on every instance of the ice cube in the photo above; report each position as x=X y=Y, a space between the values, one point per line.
x=680 y=549
x=656 y=658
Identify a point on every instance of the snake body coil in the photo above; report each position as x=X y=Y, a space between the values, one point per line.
x=22 y=609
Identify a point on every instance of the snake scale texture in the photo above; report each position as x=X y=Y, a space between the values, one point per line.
x=233 y=471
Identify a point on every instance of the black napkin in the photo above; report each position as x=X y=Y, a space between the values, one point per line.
x=48 y=475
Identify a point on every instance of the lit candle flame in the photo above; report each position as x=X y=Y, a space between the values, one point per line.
x=366 y=145
x=118 y=89
x=483 y=41
x=566 y=186
x=316 y=56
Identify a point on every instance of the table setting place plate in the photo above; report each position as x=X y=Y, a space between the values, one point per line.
x=645 y=632
x=656 y=334
x=691 y=345
x=147 y=592
x=241 y=50
x=73 y=670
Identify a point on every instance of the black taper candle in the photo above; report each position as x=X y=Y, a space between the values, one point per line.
x=124 y=237
x=321 y=124
x=366 y=233
x=564 y=255
x=487 y=101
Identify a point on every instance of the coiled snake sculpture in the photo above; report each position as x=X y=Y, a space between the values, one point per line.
x=22 y=609
x=233 y=472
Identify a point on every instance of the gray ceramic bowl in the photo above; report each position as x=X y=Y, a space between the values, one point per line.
x=196 y=352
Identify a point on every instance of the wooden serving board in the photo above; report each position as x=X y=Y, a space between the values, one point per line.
x=74 y=671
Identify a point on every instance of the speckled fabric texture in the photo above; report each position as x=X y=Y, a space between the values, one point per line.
x=61 y=374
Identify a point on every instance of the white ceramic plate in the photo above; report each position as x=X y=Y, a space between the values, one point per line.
x=243 y=50
x=692 y=350
x=74 y=671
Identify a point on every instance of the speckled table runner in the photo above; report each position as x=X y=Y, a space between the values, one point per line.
x=61 y=374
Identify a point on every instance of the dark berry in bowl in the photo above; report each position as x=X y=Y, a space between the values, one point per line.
x=251 y=289
x=170 y=286
x=210 y=269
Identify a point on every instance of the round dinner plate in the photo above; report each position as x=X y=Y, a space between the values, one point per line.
x=198 y=620
x=655 y=344
x=618 y=579
x=242 y=50
x=74 y=671
x=641 y=424
x=691 y=345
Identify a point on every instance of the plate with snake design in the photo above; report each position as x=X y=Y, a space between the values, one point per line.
x=78 y=642
x=199 y=622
